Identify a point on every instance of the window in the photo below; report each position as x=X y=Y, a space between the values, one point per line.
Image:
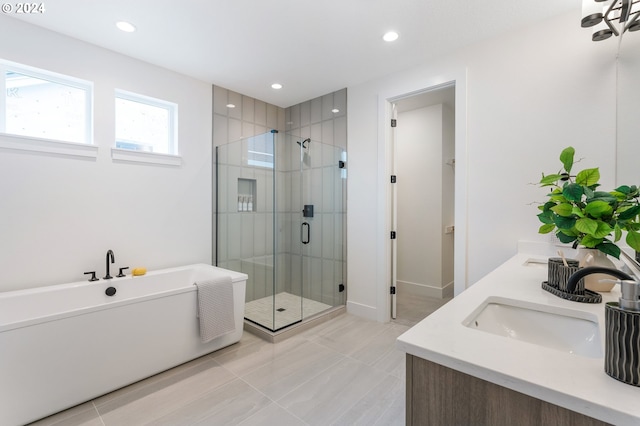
x=44 y=105
x=145 y=124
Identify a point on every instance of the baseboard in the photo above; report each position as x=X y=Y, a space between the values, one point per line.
x=447 y=290
x=364 y=311
x=425 y=290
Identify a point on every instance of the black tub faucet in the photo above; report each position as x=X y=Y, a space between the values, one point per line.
x=581 y=273
x=113 y=259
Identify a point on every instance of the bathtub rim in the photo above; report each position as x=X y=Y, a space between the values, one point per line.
x=235 y=277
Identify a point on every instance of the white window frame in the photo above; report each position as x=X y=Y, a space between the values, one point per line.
x=171 y=159
x=38 y=144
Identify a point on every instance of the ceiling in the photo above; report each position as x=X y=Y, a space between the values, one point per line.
x=311 y=47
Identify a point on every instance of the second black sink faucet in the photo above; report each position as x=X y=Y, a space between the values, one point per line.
x=581 y=273
x=113 y=259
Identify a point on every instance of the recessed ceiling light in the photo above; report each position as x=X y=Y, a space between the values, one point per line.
x=335 y=110
x=231 y=106
x=276 y=86
x=390 y=36
x=125 y=26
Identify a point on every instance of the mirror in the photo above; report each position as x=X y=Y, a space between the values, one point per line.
x=628 y=109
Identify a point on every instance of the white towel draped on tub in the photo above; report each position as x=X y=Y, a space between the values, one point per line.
x=215 y=308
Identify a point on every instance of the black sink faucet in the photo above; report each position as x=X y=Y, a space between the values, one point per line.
x=581 y=273
x=113 y=259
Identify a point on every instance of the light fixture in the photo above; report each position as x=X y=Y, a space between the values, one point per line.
x=276 y=86
x=231 y=106
x=610 y=17
x=125 y=26
x=335 y=110
x=390 y=36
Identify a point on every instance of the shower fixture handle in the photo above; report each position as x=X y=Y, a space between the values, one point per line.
x=305 y=224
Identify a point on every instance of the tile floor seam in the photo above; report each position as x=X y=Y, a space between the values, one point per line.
x=192 y=396
x=373 y=362
x=386 y=410
x=373 y=386
x=201 y=397
x=225 y=368
x=263 y=408
x=267 y=362
x=358 y=401
x=256 y=389
x=251 y=368
x=97 y=412
x=338 y=360
x=160 y=377
x=292 y=414
x=319 y=342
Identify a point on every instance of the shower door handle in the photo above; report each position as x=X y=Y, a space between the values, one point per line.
x=305 y=224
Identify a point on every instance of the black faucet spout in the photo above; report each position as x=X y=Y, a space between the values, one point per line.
x=581 y=273
x=111 y=257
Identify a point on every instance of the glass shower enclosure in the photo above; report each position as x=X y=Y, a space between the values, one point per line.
x=280 y=218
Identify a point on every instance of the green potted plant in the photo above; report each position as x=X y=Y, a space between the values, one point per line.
x=579 y=213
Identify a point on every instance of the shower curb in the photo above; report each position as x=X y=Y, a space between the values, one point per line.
x=295 y=329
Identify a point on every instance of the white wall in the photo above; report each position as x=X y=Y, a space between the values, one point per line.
x=527 y=95
x=628 y=107
x=59 y=215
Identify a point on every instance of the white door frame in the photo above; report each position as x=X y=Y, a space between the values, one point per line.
x=385 y=167
x=393 y=210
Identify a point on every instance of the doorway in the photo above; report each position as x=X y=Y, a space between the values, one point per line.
x=422 y=212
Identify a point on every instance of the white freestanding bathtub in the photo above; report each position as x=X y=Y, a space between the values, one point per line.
x=65 y=344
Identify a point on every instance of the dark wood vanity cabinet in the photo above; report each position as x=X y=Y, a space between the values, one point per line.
x=438 y=395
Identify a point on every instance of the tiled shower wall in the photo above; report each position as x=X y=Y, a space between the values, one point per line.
x=249 y=236
x=314 y=119
x=250 y=116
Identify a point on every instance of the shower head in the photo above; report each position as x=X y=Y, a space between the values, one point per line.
x=304 y=142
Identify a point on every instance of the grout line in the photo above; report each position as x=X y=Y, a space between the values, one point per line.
x=390 y=406
x=264 y=408
x=341 y=357
x=95 y=407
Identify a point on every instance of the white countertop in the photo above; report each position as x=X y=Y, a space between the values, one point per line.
x=571 y=381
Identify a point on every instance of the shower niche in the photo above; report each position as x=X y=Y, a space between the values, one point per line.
x=294 y=258
x=246 y=195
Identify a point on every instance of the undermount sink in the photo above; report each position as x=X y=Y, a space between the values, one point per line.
x=537 y=263
x=561 y=329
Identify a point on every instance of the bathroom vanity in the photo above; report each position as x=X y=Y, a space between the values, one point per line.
x=507 y=352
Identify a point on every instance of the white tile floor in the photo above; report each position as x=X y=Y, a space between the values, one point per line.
x=346 y=371
x=289 y=310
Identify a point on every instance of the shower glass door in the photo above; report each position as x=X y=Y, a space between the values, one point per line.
x=288 y=268
x=321 y=219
